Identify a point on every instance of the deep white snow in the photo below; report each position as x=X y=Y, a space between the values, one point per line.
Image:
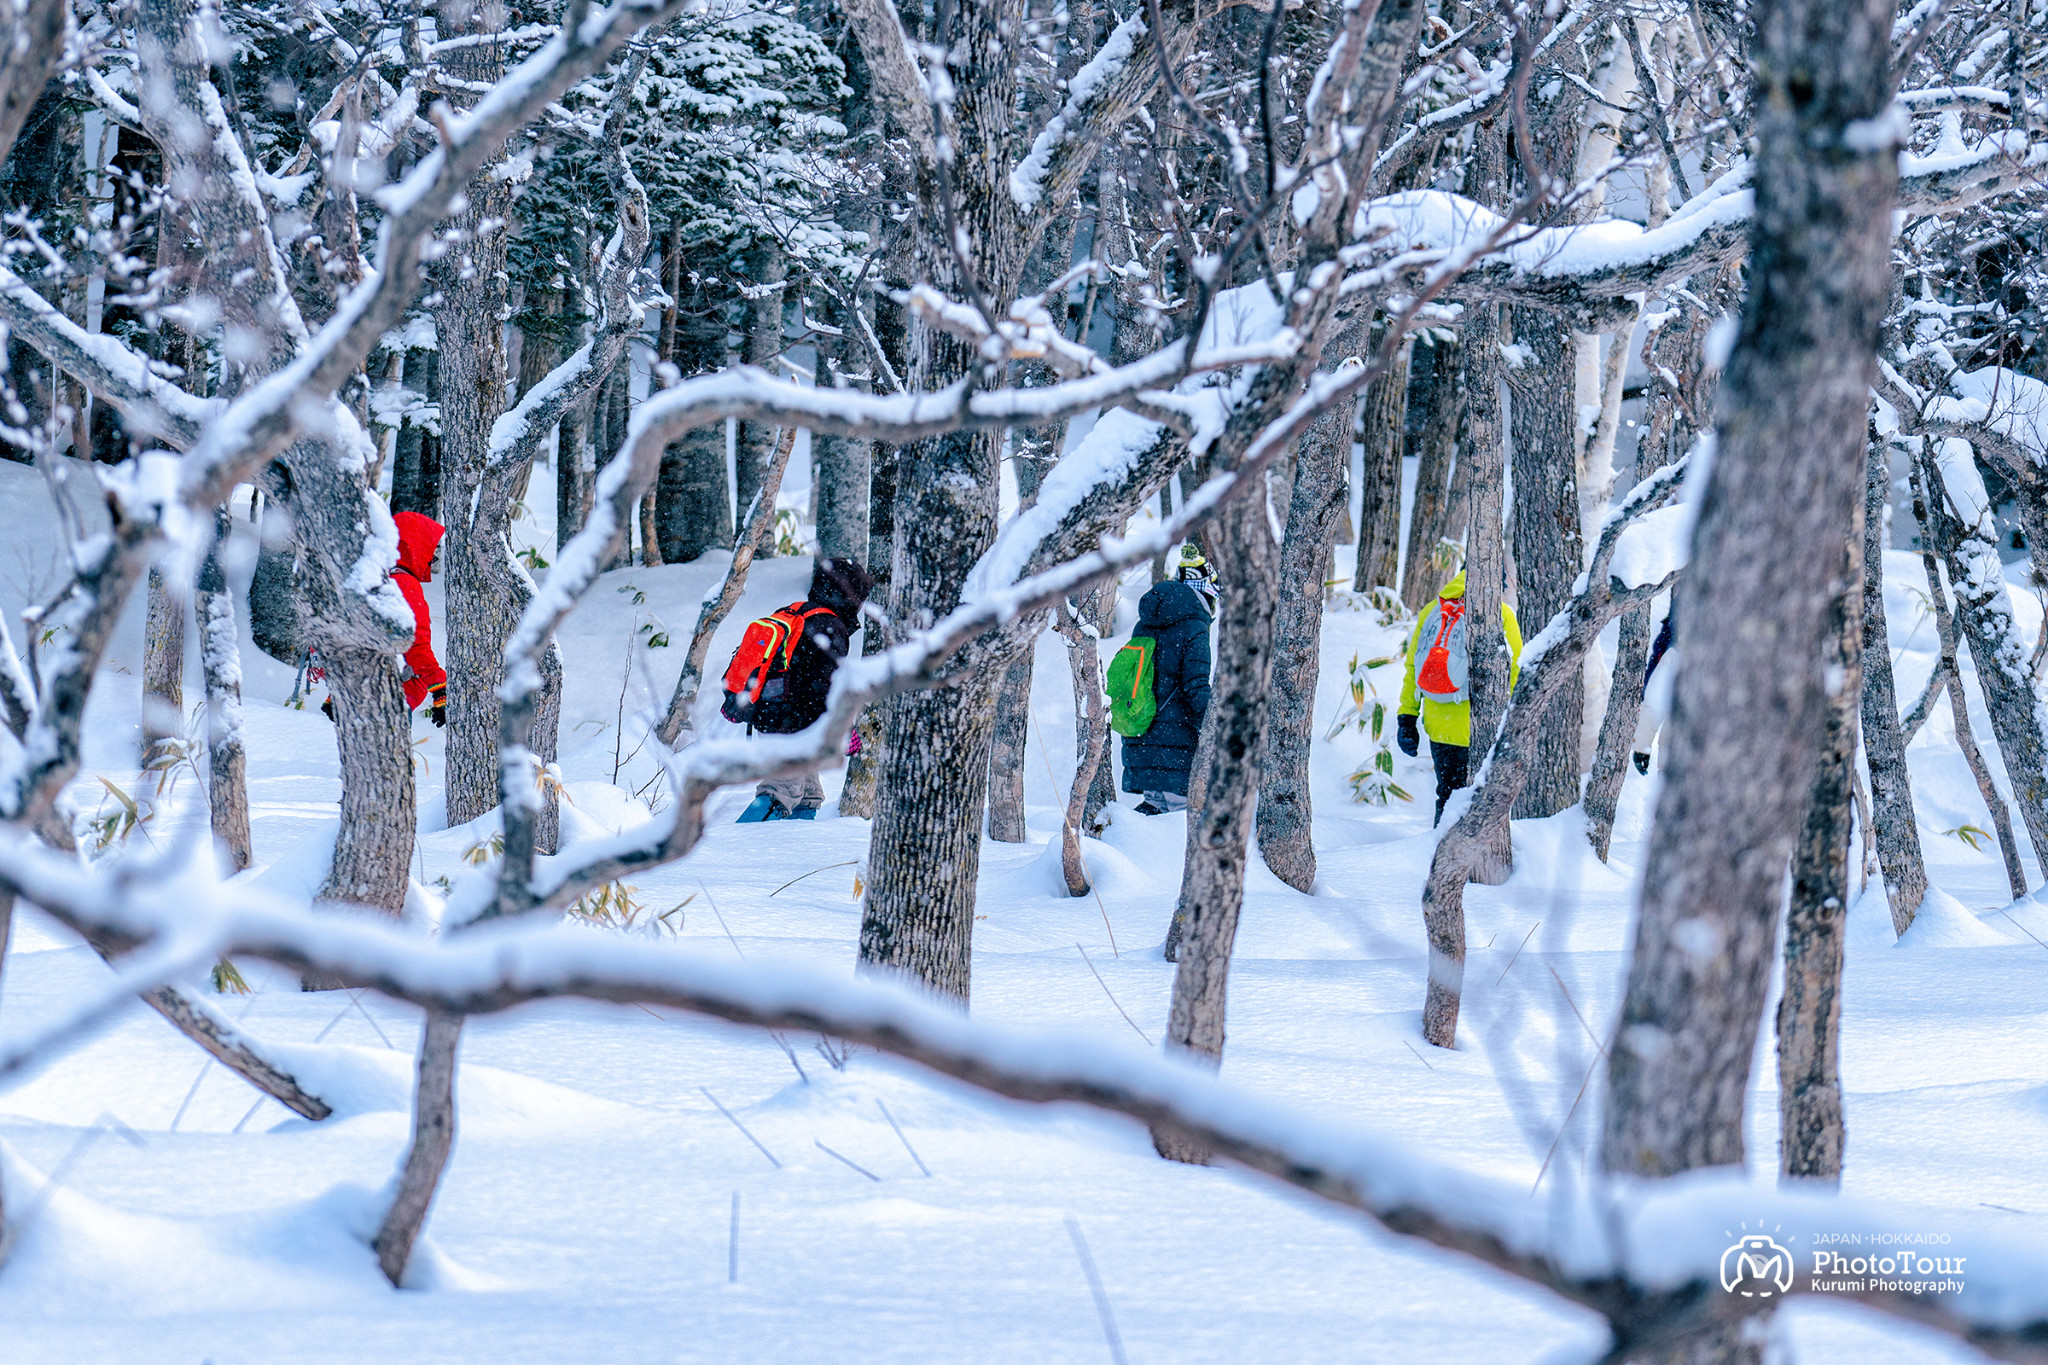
x=588 y=1210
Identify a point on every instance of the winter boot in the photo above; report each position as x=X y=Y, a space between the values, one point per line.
x=763 y=808
x=804 y=813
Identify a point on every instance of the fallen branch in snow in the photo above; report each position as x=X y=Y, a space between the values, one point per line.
x=1551 y=661
x=1646 y=1255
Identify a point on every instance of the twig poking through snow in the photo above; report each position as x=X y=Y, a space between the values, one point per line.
x=1518 y=953
x=1109 y=1332
x=749 y=1136
x=1575 y=1012
x=1112 y=996
x=848 y=1160
x=1418 y=1056
x=812 y=873
x=904 y=1140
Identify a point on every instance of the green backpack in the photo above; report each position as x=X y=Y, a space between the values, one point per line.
x=1131 y=703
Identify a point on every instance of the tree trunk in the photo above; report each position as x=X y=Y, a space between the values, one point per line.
x=273 y=608
x=1747 y=720
x=569 y=456
x=1485 y=575
x=1007 y=741
x=1951 y=680
x=470 y=283
x=693 y=503
x=1810 y=1132
x=1884 y=745
x=1285 y=815
x=1011 y=734
x=1385 y=416
x=220 y=654
x=1550 y=552
x=163 y=664
x=926 y=845
x=1212 y=889
x=840 y=465
x=683 y=701
x=433 y=1137
x=864 y=769
x=1618 y=727
x=1422 y=575
x=1983 y=611
x=754 y=442
x=1084 y=660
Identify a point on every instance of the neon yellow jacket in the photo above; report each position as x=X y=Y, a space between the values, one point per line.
x=1450 y=722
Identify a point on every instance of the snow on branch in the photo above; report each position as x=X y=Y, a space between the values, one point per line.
x=1644 y=1254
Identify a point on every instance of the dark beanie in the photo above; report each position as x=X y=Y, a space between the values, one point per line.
x=841 y=584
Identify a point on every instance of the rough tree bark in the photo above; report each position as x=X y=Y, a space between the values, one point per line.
x=1212 y=892
x=1550 y=550
x=1810 y=1128
x=163 y=664
x=754 y=442
x=693 y=511
x=1884 y=743
x=1385 y=417
x=1437 y=444
x=1285 y=815
x=220 y=655
x=1084 y=659
x=863 y=770
x=1746 y=726
x=433 y=1137
x=840 y=466
x=1484 y=459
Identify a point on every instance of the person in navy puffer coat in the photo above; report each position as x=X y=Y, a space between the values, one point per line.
x=1156 y=763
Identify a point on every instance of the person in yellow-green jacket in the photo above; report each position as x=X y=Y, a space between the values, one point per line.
x=1435 y=682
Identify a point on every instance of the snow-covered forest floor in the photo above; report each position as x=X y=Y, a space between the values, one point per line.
x=589 y=1210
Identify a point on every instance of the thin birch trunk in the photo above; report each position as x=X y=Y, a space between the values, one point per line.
x=1884 y=743
x=683 y=701
x=1810 y=1125
x=433 y=1137
x=1084 y=659
x=1219 y=829
x=221 y=656
x=1286 y=815
x=1618 y=727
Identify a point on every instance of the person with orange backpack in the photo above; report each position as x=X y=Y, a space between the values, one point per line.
x=1435 y=682
x=781 y=677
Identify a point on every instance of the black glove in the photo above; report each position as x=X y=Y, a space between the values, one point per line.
x=439 y=712
x=1407 y=736
x=327 y=708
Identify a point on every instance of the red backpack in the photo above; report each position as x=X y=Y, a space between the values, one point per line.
x=1443 y=669
x=756 y=673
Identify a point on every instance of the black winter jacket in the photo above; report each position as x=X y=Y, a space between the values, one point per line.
x=807 y=683
x=1158 y=760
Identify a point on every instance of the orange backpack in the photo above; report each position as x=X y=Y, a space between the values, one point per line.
x=1443 y=669
x=756 y=673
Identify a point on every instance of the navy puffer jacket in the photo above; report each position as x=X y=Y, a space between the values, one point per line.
x=1158 y=760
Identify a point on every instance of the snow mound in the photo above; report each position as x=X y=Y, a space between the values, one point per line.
x=75 y=1255
x=598 y=810
x=365 y=1080
x=1111 y=871
x=1657 y=545
x=1942 y=922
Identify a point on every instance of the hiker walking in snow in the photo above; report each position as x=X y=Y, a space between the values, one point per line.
x=419 y=544
x=1435 y=682
x=781 y=675
x=1170 y=649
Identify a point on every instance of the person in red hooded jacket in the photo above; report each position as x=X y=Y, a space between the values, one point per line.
x=419 y=540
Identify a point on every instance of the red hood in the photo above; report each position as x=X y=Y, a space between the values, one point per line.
x=418 y=537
